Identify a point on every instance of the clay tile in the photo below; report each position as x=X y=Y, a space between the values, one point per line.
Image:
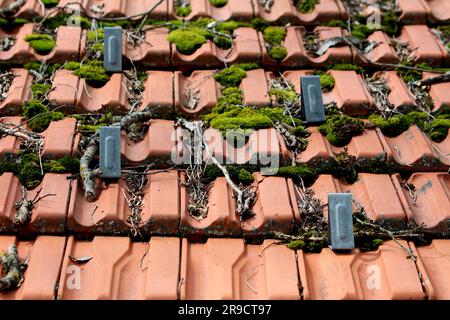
x=120 y=269
x=430 y=201
x=9 y=145
x=273 y=211
x=254 y=88
x=399 y=94
x=282 y=11
x=246 y=47
x=67 y=47
x=58 y=138
x=18 y=93
x=333 y=55
x=413 y=11
x=438 y=92
x=153 y=52
x=413 y=150
x=377 y=194
x=350 y=93
x=439 y=10
x=30 y=10
x=158 y=93
x=20 y=52
x=233 y=9
x=228 y=269
x=427 y=47
x=221 y=219
x=109 y=213
x=205 y=56
x=433 y=263
x=296 y=53
x=318 y=149
x=64 y=88
x=323 y=185
x=377 y=275
x=112 y=97
x=196 y=94
x=44 y=255
x=383 y=52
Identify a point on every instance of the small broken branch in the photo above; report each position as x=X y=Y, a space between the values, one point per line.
x=12 y=268
x=25 y=207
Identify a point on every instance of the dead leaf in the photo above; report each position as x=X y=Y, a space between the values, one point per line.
x=80 y=260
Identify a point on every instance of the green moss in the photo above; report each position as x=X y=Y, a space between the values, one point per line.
x=296 y=245
x=39 y=90
x=8 y=24
x=238 y=173
x=218 y=3
x=274 y=35
x=50 y=3
x=336 y=23
x=389 y=23
x=65 y=164
x=437 y=129
x=259 y=24
x=347 y=67
x=361 y=31
x=72 y=65
x=412 y=75
x=306 y=6
x=38 y=115
x=278 y=53
x=231 y=76
x=91 y=70
x=284 y=96
x=339 y=129
x=345 y=166
x=245 y=177
x=186 y=41
x=369 y=244
x=41 y=43
x=326 y=80
x=392 y=126
x=183 y=11
x=29 y=170
x=296 y=173
x=227 y=26
x=95 y=35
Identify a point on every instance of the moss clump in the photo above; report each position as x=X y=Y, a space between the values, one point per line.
x=369 y=244
x=392 y=126
x=339 y=129
x=233 y=75
x=38 y=115
x=91 y=70
x=278 y=53
x=41 y=43
x=65 y=164
x=28 y=170
x=326 y=80
x=336 y=23
x=361 y=31
x=186 y=41
x=245 y=177
x=306 y=6
x=274 y=37
x=345 y=166
x=238 y=173
x=259 y=24
x=437 y=129
x=296 y=173
x=39 y=90
x=296 y=245
x=95 y=35
x=347 y=67
x=183 y=11
x=11 y=24
x=50 y=3
x=218 y=3
x=284 y=96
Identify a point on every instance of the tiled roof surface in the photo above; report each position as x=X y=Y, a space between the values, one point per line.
x=82 y=249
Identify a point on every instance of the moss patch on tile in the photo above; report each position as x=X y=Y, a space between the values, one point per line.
x=39 y=116
x=39 y=90
x=238 y=173
x=42 y=43
x=339 y=129
x=233 y=75
x=274 y=38
x=326 y=80
x=218 y=3
x=50 y=3
x=305 y=6
x=91 y=70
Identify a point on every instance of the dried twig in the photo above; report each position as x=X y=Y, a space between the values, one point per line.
x=25 y=207
x=12 y=268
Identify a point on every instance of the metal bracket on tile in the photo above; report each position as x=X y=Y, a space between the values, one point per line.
x=311 y=99
x=112 y=57
x=340 y=221
x=110 y=152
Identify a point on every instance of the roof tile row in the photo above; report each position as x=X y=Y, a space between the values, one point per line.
x=165 y=203
x=164 y=90
x=283 y=11
x=248 y=46
x=171 y=268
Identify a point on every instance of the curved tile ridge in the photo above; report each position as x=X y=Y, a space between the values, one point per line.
x=109 y=212
x=18 y=93
x=120 y=269
x=229 y=269
x=48 y=215
x=58 y=138
x=44 y=254
x=67 y=46
x=414 y=11
x=384 y=274
x=430 y=200
x=121 y=8
x=284 y=11
x=233 y=9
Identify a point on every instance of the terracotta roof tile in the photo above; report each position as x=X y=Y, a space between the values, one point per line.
x=18 y=92
x=233 y=9
x=120 y=269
